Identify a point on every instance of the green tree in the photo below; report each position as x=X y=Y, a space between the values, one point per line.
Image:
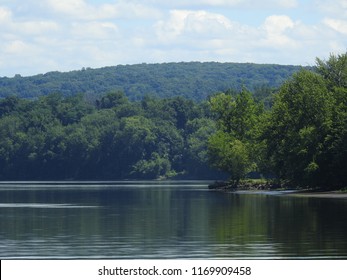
x=198 y=131
x=231 y=149
x=111 y=100
x=229 y=155
x=299 y=123
x=154 y=167
x=334 y=156
x=334 y=70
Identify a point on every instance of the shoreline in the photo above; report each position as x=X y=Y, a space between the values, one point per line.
x=275 y=189
x=321 y=194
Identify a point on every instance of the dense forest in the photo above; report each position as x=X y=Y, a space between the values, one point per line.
x=300 y=141
x=295 y=134
x=193 y=80
x=57 y=137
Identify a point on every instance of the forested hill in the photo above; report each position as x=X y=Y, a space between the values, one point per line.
x=193 y=80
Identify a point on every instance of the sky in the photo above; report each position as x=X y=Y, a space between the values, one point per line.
x=39 y=36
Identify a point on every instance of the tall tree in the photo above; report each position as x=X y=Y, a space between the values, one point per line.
x=306 y=135
x=231 y=149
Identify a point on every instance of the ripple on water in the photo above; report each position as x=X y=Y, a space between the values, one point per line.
x=43 y=205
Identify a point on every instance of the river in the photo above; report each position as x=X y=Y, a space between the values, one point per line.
x=165 y=220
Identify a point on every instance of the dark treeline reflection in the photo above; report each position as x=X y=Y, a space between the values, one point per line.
x=167 y=221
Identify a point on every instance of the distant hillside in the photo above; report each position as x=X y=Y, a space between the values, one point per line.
x=194 y=80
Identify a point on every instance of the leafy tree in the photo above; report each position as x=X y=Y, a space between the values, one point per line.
x=230 y=155
x=155 y=167
x=232 y=147
x=299 y=124
x=111 y=100
x=169 y=143
x=198 y=132
x=334 y=70
x=334 y=156
x=222 y=106
x=300 y=136
x=193 y=80
x=9 y=104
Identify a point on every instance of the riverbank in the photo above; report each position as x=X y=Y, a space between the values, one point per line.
x=320 y=194
x=261 y=186
x=245 y=185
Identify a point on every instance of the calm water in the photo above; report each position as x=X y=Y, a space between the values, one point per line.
x=177 y=219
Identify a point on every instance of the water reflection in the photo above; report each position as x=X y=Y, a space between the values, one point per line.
x=165 y=220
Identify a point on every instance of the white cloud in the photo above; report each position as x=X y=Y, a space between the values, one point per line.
x=5 y=14
x=277 y=35
x=286 y=4
x=94 y=30
x=191 y=24
x=277 y=24
x=80 y=9
x=44 y=35
x=17 y=47
x=37 y=27
x=219 y=34
x=192 y=3
x=336 y=8
x=212 y=2
x=336 y=24
x=204 y=22
x=337 y=47
x=270 y=4
x=76 y=8
x=130 y=10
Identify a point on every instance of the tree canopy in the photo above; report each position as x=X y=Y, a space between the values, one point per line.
x=192 y=80
x=301 y=139
x=296 y=134
x=57 y=137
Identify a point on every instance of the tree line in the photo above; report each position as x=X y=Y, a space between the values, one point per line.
x=295 y=134
x=192 y=80
x=301 y=140
x=57 y=137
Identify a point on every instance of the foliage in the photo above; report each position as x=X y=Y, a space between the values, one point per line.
x=297 y=134
x=193 y=80
x=298 y=125
x=300 y=139
x=57 y=137
x=231 y=149
x=307 y=131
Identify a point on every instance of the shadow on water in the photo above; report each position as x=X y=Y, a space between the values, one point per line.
x=175 y=219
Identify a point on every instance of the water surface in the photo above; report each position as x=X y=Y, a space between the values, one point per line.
x=171 y=219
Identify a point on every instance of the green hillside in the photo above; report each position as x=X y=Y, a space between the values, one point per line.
x=297 y=138
x=193 y=80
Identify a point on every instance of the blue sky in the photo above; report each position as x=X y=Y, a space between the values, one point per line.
x=38 y=36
